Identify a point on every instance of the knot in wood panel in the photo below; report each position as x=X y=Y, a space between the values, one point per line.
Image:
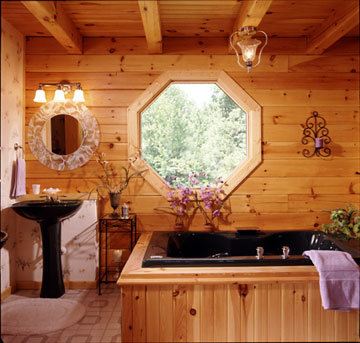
x=243 y=290
x=192 y=311
x=175 y=293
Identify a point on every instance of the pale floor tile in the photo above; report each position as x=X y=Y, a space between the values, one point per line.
x=99 y=327
x=96 y=339
x=8 y=339
x=36 y=339
x=13 y=339
x=113 y=326
x=101 y=322
x=111 y=339
x=78 y=338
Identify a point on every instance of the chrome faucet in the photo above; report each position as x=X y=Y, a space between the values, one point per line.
x=259 y=253
x=48 y=197
x=61 y=196
x=286 y=251
x=51 y=197
x=51 y=194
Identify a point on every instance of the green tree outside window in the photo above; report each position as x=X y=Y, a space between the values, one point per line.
x=193 y=128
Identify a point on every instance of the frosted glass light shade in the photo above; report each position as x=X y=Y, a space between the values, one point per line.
x=78 y=95
x=40 y=96
x=59 y=96
x=248 y=48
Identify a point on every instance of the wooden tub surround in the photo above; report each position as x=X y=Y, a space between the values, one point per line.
x=229 y=304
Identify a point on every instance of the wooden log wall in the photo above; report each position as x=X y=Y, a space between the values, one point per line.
x=264 y=312
x=287 y=191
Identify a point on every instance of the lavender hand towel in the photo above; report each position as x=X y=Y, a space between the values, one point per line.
x=19 y=178
x=339 y=279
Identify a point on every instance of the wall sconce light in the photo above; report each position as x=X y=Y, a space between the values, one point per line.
x=63 y=88
x=248 y=46
x=316 y=131
x=40 y=94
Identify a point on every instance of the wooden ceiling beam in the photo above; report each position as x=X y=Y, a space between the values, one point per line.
x=336 y=26
x=52 y=16
x=150 y=16
x=251 y=14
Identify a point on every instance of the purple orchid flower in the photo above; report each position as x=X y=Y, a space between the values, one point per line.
x=216 y=213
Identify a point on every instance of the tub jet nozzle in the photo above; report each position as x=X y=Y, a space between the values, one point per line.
x=259 y=253
x=286 y=251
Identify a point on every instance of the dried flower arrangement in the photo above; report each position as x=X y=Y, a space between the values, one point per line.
x=112 y=180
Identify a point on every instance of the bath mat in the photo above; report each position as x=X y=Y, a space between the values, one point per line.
x=39 y=315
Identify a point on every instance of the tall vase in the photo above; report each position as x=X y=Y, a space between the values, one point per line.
x=115 y=201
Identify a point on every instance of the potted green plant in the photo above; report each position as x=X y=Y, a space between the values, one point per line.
x=345 y=223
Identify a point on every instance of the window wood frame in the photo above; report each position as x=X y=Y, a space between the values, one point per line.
x=232 y=89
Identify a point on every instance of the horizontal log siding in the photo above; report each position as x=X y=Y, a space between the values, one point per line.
x=286 y=191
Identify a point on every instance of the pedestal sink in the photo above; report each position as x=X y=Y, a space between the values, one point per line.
x=3 y=238
x=49 y=215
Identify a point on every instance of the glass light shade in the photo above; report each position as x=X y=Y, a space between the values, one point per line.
x=78 y=95
x=40 y=96
x=59 y=96
x=248 y=48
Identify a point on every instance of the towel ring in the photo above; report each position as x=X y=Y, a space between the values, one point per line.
x=18 y=147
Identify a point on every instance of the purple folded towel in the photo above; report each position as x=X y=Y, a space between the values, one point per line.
x=19 y=178
x=339 y=279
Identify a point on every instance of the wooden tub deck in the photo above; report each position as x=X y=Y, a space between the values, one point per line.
x=229 y=304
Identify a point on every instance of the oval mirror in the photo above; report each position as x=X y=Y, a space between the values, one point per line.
x=63 y=135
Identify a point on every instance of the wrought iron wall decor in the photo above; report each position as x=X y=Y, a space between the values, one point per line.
x=316 y=131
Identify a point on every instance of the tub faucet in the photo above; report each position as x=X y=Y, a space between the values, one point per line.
x=286 y=251
x=259 y=253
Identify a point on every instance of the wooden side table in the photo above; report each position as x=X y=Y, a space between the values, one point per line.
x=109 y=225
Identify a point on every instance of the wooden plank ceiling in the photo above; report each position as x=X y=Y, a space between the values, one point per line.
x=321 y=22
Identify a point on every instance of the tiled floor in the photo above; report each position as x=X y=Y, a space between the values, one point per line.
x=101 y=322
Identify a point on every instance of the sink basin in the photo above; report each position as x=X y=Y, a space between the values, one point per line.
x=47 y=210
x=49 y=214
x=4 y=237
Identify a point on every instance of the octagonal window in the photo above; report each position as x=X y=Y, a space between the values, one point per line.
x=194 y=121
x=193 y=128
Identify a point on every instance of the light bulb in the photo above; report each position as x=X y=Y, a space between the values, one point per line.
x=78 y=95
x=248 y=49
x=59 y=95
x=40 y=95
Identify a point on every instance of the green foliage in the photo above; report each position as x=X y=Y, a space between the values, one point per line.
x=179 y=137
x=346 y=223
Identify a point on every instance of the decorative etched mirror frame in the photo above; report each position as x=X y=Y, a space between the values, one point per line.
x=89 y=143
x=232 y=89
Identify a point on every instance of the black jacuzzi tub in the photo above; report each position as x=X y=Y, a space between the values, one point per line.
x=238 y=248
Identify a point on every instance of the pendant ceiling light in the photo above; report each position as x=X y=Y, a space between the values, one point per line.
x=248 y=46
